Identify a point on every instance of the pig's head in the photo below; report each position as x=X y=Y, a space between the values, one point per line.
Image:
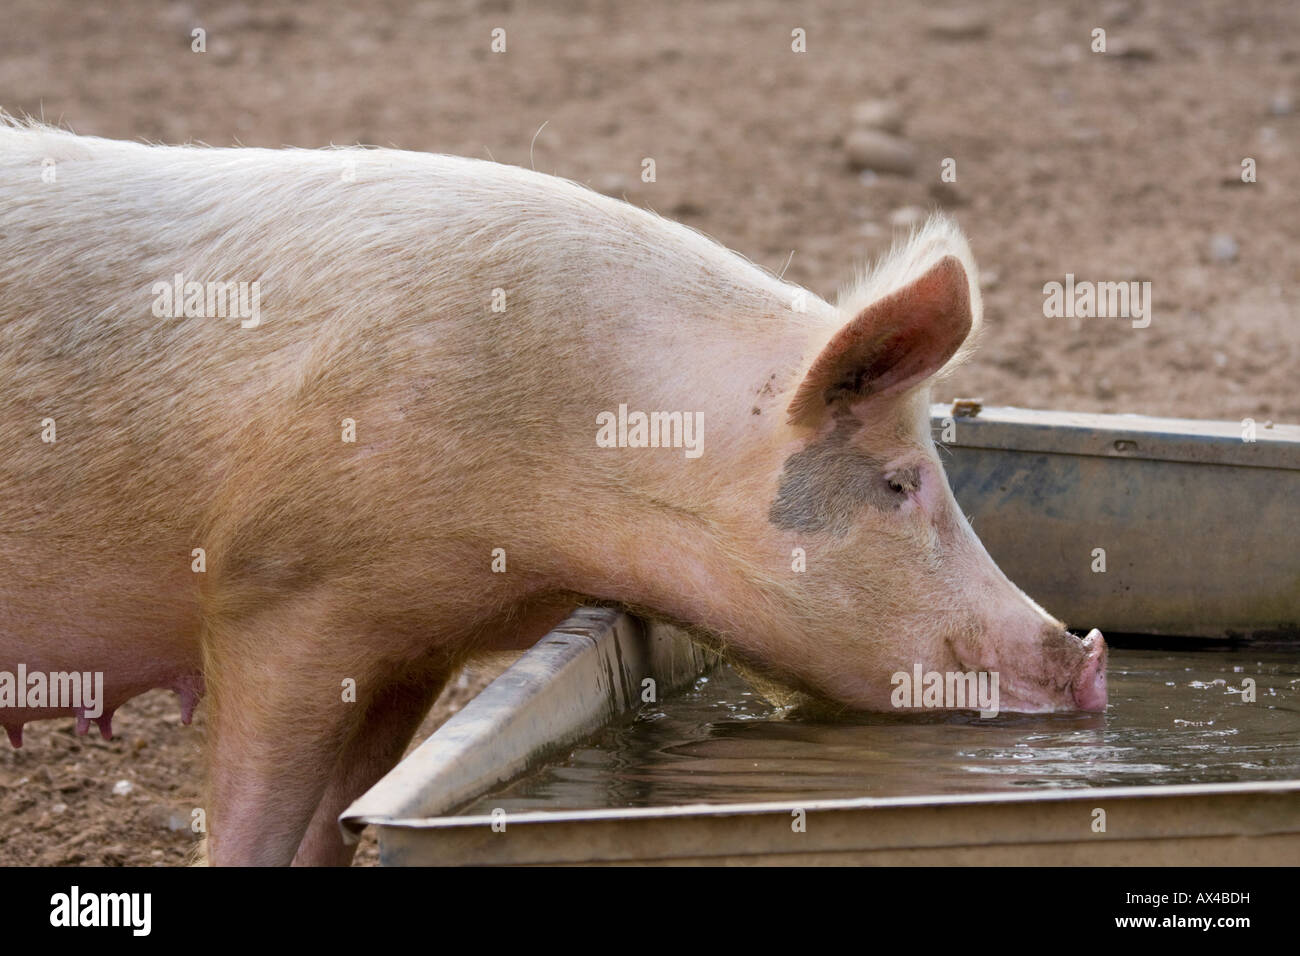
x=892 y=573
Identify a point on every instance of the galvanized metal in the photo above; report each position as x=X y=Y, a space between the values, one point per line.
x=1199 y=528
x=587 y=671
x=1127 y=437
x=1219 y=825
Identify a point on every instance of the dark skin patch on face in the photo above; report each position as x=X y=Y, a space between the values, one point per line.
x=824 y=486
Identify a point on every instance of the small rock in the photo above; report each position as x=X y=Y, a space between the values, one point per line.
x=1138 y=49
x=1223 y=248
x=1220 y=360
x=958 y=24
x=123 y=787
x=59 y=808
x=880 y=152
x=1280 y=103
x=687 y=207
x=907 y=217
x=883 y=115
x=989 y=279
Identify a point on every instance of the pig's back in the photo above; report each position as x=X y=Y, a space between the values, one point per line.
x=368 y=262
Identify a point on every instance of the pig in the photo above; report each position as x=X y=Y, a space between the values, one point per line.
x=314 y=515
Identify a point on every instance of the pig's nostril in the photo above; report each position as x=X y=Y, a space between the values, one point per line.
x=1090 y=685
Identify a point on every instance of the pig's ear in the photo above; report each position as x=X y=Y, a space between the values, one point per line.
x=892 y=344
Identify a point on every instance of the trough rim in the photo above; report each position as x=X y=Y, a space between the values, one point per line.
x=983 y=798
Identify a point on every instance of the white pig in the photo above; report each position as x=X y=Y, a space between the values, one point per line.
x=374 y=453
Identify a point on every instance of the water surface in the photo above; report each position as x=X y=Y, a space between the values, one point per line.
x=1175 y=716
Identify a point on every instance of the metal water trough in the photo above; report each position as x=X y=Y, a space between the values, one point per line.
x=1198 y=526
x=1199 y=529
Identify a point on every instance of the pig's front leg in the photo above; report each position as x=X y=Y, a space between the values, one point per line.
x=280 y=718
x=374 y=748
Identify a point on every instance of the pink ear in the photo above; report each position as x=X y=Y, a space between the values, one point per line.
x=890 y=345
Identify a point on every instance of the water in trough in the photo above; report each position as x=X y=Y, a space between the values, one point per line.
x=1175 y=716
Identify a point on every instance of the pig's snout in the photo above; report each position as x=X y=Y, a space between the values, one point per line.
x=1090 y=684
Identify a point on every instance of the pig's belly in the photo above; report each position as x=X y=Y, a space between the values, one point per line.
x=138 y=633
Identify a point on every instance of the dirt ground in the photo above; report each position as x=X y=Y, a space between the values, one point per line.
x=1114 y=166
